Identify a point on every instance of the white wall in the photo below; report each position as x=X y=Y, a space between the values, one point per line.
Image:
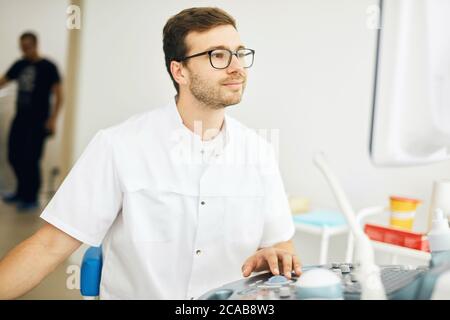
x=48 y=19
x=312 y=79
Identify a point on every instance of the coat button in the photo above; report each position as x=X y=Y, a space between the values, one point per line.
x=202 y=203
x=198 y=252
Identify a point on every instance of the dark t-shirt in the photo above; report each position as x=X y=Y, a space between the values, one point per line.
x=35 y=80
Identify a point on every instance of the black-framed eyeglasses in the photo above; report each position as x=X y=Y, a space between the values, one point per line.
x=221 y=58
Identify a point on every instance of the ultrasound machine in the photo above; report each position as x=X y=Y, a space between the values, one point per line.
x=347 y=281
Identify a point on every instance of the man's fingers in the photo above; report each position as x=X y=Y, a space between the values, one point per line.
x=275 y=260
x=287 y=265
x=249 y=266
x=272 y=261
x=297 y=265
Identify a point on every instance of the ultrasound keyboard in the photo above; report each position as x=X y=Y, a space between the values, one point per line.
x=400 y=282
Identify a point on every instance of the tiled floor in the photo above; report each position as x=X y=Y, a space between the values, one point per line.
x=15 y=227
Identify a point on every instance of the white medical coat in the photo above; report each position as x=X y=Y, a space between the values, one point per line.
x=172 y=227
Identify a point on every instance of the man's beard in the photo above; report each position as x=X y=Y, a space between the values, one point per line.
x=215 y=95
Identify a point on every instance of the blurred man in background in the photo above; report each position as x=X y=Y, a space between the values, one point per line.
x=35 y=119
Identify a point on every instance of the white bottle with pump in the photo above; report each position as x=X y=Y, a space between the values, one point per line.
x=439 y=235
x=439 y=239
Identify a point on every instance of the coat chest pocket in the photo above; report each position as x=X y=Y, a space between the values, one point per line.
x=147 y=215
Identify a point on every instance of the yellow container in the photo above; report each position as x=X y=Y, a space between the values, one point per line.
x=403 y=211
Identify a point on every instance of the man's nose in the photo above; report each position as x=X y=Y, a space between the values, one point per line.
x=235 y=64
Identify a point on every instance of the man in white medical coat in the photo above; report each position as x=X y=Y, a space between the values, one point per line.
x=182 y=198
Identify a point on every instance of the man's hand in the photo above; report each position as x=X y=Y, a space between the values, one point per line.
x=50 y=125
x=274 y=258
x=3 y=81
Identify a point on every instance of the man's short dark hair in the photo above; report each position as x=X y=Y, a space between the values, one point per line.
x=29 y=35
x=192 y=19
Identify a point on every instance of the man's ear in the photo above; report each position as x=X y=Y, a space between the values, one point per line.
x=178 y=72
